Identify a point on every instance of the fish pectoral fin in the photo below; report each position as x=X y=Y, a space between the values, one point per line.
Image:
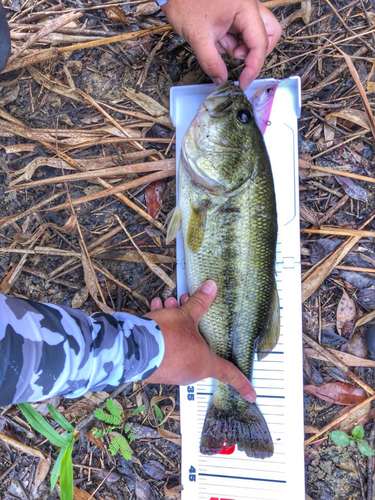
x=174 y=224
x=270 y=335
x=197 y=226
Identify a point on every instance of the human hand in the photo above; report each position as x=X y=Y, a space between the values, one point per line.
x=187 y=357
x=244 y=29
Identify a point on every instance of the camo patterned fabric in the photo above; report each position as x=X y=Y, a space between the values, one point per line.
x=48 y=350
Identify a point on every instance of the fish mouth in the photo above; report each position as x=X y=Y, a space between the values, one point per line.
x=220 y=102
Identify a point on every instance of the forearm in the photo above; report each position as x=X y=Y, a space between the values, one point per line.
x=48 y=350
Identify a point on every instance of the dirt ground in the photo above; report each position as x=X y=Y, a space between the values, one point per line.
x=73 y=101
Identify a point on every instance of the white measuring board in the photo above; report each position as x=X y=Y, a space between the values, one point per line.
x=277 y=378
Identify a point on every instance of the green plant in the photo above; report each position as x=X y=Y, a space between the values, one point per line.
x=63 y=467
x=116 y=419
x=342 y=439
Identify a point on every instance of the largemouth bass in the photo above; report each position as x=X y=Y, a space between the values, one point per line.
x=227 y=212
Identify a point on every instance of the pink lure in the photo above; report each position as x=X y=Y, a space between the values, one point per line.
x=262 y=104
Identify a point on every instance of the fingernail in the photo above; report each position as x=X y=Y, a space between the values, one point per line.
x=208 y=287
x=217 y=81
x=224 y=44
x=251 y=397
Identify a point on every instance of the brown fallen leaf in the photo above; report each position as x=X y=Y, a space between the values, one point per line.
x=41 y=471
x=347 y=359
x=306 y=11
x=95 y=441
x=361 y=91
x=170 y=436
x=172 y=493
x=346 y=312
x=355 y=116
x=81 y=494
x=156 y=400
x=340 y=393
x=329 y=132
x=355 y=418
x=80 y=297
x=85 y=405
x=153 y=196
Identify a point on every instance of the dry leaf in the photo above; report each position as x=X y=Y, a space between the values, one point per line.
x=42 y=471
x=370 y=87
x=116 y=14
x=355 y=116
x=146 y=9
x=346 y=312
x=306 y=10
x=80 y=297
x=81 y=494
x=91 y=281
x=352 y=189
x=340 y=393
x=170 y=436
x=149 y=105
x=347 y=359
x=153 y=196
x=95 y=441
x=154 y=268
x=355 y=418
x=156 y=400
x=361 y=91
x=329 y=132
x=85 y=405
x=172 y=493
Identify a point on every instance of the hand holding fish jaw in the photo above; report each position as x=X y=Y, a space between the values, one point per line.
x=244 y=29
x=187 y=357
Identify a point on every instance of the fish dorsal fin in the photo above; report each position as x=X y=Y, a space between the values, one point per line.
x=270 y=335
x=197 y=226
x=174 y=224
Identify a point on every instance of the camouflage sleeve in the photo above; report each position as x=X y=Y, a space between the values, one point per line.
x=48 y=350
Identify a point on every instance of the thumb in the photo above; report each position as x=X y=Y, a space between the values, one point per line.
x=209 y=58
x=225 y=371
x=198 y=304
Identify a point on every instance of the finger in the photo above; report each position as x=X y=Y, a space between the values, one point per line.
x=250 y=24
x=209 y=58
x=228 y=44
x=241 y=51
x=171 y=303
x=198 y=304
x=184 y=298
x=225 y=371
x=156 y=303
x=272 y=26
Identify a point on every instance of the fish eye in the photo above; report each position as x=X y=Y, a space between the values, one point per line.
x=269 y=90
x=244 y=115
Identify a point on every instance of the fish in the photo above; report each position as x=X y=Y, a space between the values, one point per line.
x=262 y=102
x=227 y=214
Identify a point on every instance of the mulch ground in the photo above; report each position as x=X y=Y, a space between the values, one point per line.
x=74 y=103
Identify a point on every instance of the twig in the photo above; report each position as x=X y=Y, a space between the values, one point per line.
x=22 y=447
x=338 y=363
x=340 y=232
x=47 y=54
x=339 y=419
x=113 y=190
x=106 y=172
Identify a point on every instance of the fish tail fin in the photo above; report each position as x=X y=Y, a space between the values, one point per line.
x=243 y=426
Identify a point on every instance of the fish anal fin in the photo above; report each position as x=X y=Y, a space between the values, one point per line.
x=270 y=335
x=196 y=228
x=174 y=224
